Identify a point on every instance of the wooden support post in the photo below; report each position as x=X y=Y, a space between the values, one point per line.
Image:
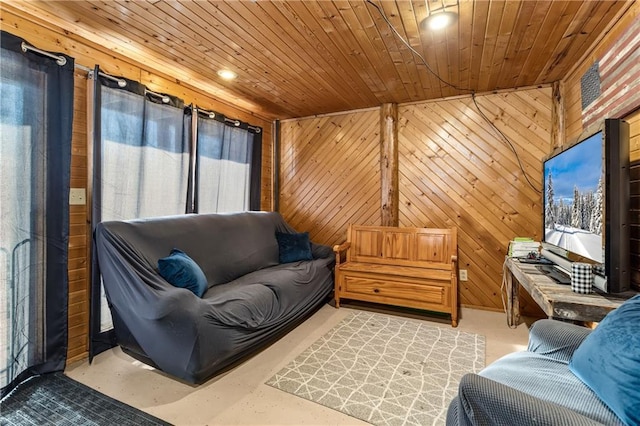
x=275 y=174
x=389 y=163
x=557 y=115
x=513 y=300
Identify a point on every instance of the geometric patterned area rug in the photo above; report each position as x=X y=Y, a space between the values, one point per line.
x=55 y=399
x=383 y=369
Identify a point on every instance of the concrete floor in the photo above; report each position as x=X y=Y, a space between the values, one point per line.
x=239 y=396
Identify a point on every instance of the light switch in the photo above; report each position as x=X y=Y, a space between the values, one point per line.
x=77 y=196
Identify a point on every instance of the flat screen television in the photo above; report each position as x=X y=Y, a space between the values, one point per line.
x=586 y=204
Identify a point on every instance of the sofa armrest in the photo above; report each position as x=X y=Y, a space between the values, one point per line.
x=320 y=251
x=482 y=401
x=556 y=339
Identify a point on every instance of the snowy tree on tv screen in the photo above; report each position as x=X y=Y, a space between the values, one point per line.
x=573 y=199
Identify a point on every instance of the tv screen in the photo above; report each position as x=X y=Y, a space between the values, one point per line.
x=586 y=203
x=574 y=199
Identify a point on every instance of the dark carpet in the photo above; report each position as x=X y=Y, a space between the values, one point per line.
x=55 y=399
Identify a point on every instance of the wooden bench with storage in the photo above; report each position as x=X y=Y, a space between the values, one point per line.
x=409 y=267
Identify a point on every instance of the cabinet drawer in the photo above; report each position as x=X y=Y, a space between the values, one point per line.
x=395 y=289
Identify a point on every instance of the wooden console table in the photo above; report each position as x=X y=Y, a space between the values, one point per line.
x=556 y=300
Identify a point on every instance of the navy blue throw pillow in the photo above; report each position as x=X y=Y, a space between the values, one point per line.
x=182 y=271
x=293 y=247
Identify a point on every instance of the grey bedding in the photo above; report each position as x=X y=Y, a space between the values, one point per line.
x=251 y=298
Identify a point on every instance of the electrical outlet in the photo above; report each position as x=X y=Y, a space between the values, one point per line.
x=463 y=275
x=77 y=196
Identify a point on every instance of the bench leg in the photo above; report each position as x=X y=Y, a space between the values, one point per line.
x=336 y=287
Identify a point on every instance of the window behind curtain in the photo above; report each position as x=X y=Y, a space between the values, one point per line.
x=36 y=106
x=227 y=167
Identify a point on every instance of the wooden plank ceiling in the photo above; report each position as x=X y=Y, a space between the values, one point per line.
x=301 y=58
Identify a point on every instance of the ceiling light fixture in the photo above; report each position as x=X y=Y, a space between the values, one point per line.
x=439 y=20
x=227 y=74
x=441 y=16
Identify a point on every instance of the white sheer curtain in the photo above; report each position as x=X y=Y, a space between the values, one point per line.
x=145 y=161
x=21 y=158
x=223 y=167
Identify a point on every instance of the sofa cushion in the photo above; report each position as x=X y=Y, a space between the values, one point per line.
x=608 y=361
x=248 y=306
x=182 y=271
x=293 y=247
x=550 y=380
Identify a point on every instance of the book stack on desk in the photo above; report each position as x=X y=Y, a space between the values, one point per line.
x=522 y=246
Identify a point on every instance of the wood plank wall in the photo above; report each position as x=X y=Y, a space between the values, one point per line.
x=48 y=37
x=79 y=229
x=330 y=173
x=574 y=120
x=454 y=170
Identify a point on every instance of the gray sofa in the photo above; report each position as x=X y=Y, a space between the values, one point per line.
x=534 y=387
x=250 y=299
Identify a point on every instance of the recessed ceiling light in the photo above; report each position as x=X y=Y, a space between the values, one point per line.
x=439 y=20
x=227 y=74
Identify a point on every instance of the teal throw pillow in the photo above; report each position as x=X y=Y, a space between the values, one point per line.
x=608 y=361
x=293 y=247
x=182 y=271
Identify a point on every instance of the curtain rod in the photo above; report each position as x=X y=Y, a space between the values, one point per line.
x=60 y=60
x=121 y=82
x=165 y=98
x=234 y=121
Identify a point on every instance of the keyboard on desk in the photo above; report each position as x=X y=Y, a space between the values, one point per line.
x=554 y=273
x=535 y=260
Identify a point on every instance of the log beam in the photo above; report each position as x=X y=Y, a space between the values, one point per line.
x=557 y=115
x=389 y=163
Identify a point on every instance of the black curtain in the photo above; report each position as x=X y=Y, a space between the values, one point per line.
x=256 y=172
x=36 y=98
x=100 y=338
